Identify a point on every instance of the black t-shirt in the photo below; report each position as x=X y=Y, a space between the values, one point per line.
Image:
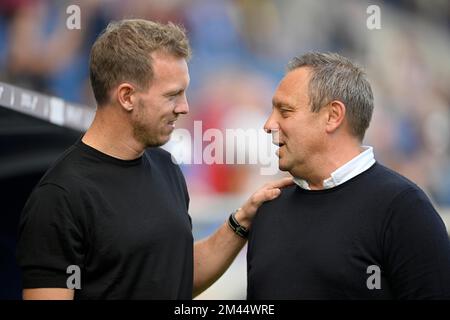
x=333 y=243
x=124 y=223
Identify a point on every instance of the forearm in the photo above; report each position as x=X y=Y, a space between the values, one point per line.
x=48 y=294
x=213 y=255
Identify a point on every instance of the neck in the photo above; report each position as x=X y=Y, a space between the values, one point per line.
x=111 y=134
x=323 y=164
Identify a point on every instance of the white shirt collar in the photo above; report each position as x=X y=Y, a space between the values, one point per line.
x=349 y=170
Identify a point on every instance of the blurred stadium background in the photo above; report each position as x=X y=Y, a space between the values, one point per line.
x=240 y=50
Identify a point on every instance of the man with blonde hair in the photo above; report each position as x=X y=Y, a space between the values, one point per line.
x=115 y=206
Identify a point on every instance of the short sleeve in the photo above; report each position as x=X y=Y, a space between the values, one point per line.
x=417 y=249
x=49 y=239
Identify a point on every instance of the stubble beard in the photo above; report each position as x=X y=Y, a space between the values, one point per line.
x=143 y=132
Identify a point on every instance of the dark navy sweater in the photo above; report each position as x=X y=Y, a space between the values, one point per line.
x=334 y=243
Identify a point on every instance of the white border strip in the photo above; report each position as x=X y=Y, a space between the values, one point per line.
x=51 y=109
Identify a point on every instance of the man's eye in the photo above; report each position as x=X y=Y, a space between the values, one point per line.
x=284 y=113
x=174 y=95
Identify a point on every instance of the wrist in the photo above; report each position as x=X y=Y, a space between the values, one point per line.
x=243 y=218
x=239 y=229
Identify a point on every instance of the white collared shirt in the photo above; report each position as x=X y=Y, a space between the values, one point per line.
x=349 y=170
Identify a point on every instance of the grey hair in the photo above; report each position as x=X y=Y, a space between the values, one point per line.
x=335 y=77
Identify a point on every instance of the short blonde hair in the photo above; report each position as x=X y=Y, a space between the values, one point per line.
x=122 y=53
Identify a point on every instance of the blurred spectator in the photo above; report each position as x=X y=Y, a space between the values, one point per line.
x=406 y=60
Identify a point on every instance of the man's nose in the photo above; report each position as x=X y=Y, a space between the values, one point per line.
x=182 y=107
x=271 y=125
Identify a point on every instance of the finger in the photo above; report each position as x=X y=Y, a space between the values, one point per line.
x=281 y=183
x=275 y=193
x=265 y=195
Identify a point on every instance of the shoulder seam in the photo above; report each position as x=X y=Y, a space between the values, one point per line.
x=53 y=184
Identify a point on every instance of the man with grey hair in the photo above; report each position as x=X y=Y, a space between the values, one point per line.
x=112 y=212
x=350 y=228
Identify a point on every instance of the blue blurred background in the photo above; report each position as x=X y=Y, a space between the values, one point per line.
x=240 y=50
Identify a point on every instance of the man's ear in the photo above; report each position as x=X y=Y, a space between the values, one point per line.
x=335 y=115
x=126 y=96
